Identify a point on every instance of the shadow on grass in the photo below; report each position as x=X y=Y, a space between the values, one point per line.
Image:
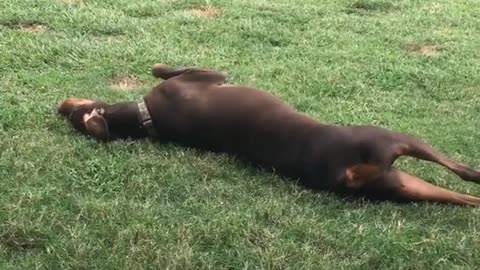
x=21 y=240
x=366 y=7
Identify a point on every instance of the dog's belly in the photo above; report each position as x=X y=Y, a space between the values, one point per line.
x=246 y=122
x=272 y=141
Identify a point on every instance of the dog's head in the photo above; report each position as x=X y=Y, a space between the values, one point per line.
x=86 y=116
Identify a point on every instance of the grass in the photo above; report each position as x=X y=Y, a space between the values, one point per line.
x=69 y=203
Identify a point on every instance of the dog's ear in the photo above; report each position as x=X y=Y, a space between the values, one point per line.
x=361 y=175
x=97 y=127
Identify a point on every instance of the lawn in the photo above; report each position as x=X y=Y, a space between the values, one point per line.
x=68 y=202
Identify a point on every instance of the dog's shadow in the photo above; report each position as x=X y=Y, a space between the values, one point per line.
x=238 y=163
x=362 y=197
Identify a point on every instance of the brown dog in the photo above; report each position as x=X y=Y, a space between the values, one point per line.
x=196 y=108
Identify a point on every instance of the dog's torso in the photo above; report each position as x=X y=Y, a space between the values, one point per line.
x=254 y=125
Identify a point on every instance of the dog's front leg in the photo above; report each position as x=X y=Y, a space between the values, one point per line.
x=191 y=74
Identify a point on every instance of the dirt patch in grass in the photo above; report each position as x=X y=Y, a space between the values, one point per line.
x=207 y=12
x=433 y=8
x=424 y=50
x=126 y=83
x=26 y=27
x=33 y=28
x=72 y=2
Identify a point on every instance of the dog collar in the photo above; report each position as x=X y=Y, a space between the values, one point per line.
x=146 y=119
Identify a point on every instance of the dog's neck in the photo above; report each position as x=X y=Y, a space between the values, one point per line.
x=124 y=120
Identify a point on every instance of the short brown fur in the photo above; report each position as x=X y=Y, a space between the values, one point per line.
x=195 y=107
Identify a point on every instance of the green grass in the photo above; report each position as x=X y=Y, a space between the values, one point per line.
x=67 y=202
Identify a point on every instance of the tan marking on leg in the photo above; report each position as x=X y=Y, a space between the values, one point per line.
x=226 y=85
x=362 y=174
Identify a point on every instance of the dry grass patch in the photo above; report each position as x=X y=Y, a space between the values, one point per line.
x=433 y=8
x=127 y=83
x=25 y=27
x=72 y=2
x=32 y=28
x=208 y=12
x=424 y=50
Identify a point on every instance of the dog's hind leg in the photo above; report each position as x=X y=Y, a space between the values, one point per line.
x=394 y=184
x=408 y=187
x=405 y=145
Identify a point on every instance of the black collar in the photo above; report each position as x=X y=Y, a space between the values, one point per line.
x=146 y=119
